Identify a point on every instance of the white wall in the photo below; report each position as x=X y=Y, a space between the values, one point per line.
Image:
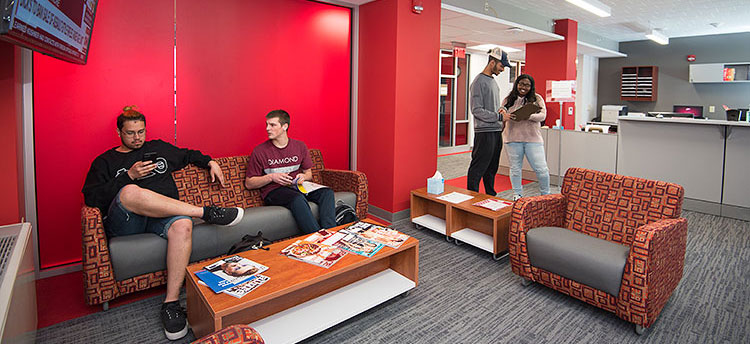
x=476 y=65
x=587 y=76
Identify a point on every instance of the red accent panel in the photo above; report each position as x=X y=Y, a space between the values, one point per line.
x=376 y=113
x=11 y=182
x=397 y=135
x=75 y=110
x=555 y=61
x=415 y=154
x=242 y=59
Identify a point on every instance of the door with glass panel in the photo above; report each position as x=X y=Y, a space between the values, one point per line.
x=453 y=119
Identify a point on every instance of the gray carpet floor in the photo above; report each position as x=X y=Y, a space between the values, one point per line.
x=464 y=296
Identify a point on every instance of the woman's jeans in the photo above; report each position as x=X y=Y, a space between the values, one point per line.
x=534 y=152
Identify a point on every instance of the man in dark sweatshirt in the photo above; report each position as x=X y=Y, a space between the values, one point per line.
x=488 y=124
x=132 y=186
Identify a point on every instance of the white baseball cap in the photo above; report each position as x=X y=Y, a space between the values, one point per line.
x=500 y=55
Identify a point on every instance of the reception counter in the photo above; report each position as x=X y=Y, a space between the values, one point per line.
x=710 y=158
x=568 y=148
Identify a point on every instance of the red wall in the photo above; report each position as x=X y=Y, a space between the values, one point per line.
x=242 y=59
x=235 y=62
x=418 y=41
x=397 y=113
x=11 y=183
x=376 y=110
x=555 y=61
x=75 y=108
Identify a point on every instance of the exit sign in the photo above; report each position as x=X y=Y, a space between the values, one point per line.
x=459 y=52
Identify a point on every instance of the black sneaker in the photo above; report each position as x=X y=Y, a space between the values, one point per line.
x=174 y=320
x=222 y=216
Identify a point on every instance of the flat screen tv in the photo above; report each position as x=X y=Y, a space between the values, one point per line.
x=694 y=110
x=58 y=28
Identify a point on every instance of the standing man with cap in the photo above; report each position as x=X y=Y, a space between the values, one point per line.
x=488 y=124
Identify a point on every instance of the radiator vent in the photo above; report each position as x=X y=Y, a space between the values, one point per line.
x=6 y=248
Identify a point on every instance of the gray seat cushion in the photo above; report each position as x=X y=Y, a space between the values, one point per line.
x=135 y=255
x=595 y=262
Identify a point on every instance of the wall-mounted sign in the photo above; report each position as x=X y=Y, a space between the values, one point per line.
x=561 y=91
x=691 y=58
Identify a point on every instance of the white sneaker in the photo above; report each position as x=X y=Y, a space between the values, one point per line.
x=516 y=197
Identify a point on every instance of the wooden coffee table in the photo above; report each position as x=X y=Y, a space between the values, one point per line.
x=302 y=299
x=463 y=222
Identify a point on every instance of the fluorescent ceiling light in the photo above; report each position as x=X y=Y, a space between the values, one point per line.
x=593 y=6
x=487 y=47
x=658 y=37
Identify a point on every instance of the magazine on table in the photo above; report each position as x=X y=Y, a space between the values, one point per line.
x=314 y=253
x=229 y=272
x=347 y=240
x=493 y=204
x=244 y=288
x=386 y=236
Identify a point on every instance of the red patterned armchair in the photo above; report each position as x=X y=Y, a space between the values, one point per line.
x=235 y=334
x=641 y=215
x=100 y=281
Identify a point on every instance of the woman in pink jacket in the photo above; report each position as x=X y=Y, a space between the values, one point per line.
x=524 y=137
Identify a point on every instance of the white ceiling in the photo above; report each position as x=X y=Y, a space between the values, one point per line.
x=471 y=28
x=631 y=19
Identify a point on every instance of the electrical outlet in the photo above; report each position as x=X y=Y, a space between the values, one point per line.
x=711 y=108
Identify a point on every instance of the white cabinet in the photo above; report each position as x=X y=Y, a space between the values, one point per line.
x=707 y=72
x=714 y=72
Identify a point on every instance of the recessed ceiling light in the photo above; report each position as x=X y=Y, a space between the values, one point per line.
x=514 y=30
x=487 y=47
x=593 y=6
x=658 y=37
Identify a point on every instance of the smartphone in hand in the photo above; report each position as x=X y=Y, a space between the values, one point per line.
x=149 y=156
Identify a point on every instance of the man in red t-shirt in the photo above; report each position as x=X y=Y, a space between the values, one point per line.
x=278 y=163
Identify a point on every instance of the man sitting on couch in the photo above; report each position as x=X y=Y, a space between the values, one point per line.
x=281 y=161
x=132 y=184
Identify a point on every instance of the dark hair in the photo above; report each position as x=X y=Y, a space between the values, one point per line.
x=129 y=113
x=282 y=115
x=513 y=95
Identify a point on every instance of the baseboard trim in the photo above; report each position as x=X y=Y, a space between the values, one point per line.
x=57 y=271
x=387 y=215
x=701 y=206
x=735 y=212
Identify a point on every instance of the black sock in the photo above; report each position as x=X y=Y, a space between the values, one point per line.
x=205 y=213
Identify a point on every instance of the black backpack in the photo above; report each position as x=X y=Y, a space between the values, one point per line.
x=250 y=242
x=345 y=213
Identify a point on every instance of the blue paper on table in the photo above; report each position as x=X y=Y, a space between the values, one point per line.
x=436 y=184
x=218 y=284
x=217 y=275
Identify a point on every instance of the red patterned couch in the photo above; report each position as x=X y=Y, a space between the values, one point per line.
x=102 y=262
x=642 y=214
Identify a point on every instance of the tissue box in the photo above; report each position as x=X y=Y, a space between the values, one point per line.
x=435 y=185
